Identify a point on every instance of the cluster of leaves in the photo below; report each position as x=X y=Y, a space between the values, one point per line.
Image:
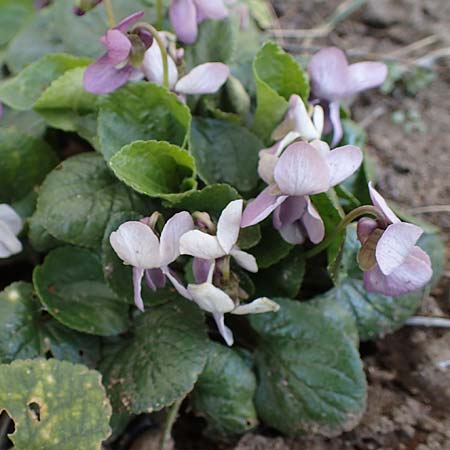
x=143 y=150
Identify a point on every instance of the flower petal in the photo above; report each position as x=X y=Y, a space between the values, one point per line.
x=245 y=260
x=175 y=228
x=266 y=166
x=201 y=245
x=152 y=66
x=138 y=274
x=224 y=331
x=211 y=9
x=380 y=203
x=136 y=244
x=291 y=210
x=204 y=79
x=229 y=225
x=413 y=274
x=124 y=24
x=258 y=306
x=9 y=244
x=313 y=223
x=9 y=216
x=101 y=77
x=155 y=278
x=395 y=245
x=201 y=268
x=365 y=227
x=118 y=45
x=176 y=283
x=301 y=170
x=293 y=233
x=183 y=16
x=261 y=207
x=343 y=162
x=210 y=298
x=366 y=75
x=335 y=119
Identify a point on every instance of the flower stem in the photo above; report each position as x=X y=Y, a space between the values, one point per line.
x=170 y=421
x=162 y=47
x=349 y=218
x=159 y=13
x=110 y=13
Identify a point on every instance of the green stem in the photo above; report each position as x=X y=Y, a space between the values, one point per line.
x=162 y=47
x=110 y=13
x=349 y=218
x=159 y=13
x=168 y=425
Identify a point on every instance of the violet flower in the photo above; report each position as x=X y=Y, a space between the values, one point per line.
x=302 y=170
x=122 y=60
x=393 y=265
x=333 y=80
x=138 y=246
x=10 y=226
x=206 y=78
x=185 y=16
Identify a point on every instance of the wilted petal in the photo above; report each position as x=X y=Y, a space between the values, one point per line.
x=335 y=118
x=152 y=66
x=229 y=225
x=203 y=79
x=301 y=170
x=245 y=260
x=201 y=245
x=313 y=223
x=395 y=245
x=380 y=203
x=200 y=269
x=137 y=245
x=124 y=24
x=118 y=46
x=175 y=228
x=261 y=207
x=366 y=75
x=183 y=16
x=138 y=274
x=413 y=274
x=343 y=162
x=365 y=227
x=11 y=218
x=258 y=306
x=9 y=244
x=328 y=71
x=210 y=298
x=101 y=77
x=211 y=9
x=224 y=331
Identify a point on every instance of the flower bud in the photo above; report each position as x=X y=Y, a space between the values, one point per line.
x=204 y=222
x=83 y=6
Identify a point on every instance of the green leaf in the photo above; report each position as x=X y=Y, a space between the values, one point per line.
x=278 y=76
x=70 y=284
x=24 y=89
x=119 y=276
x=78 y=197
x=283 y=278
x=249 y=237
x=211 y=199
x=27 y=122
x=311 y=377
x=141 y=111
x=225 y=152
x=40 y=239
x=26 y=331
x=161 y=362
x=156 y=169
x=13 y=13
x=224 y=393
x=55 y=405
x=216 y=42
x=24 y=163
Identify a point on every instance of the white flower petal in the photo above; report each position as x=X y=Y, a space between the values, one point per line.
x=206 y=78
x=152 y=66
x=210 y=298
x=229 y=225
x=258 y=306
x=9 y=244
x=245 y=260
x=11 y=218
x=224 y=331
x=201 y=245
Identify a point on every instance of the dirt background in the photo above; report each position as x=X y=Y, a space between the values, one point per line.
x=409 y=137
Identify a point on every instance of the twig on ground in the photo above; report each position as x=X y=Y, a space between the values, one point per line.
x=403 y=51
x=429 y=321
x=372 y=116
x=430 y=209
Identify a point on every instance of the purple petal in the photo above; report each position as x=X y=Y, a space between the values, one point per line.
x=413 y=274
x=118 y=45
x=200 y=268
x=183 y=16
x=229 y=225
x=155 y=279
x=366 y=226
x=395 y=245
x=343 y=162
x=293 y=233
x=291 y=210
x=335 y=119
x=124 y=24
x=210 y=9
x=301 y=170
x=328 y=71
x=313 y=223
x=366 y=75
x=138 y=274
x=175 y=227
x=380 y=203
x=261 y=207
x=204 y=79
x=224 y=331
x=101 y=77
